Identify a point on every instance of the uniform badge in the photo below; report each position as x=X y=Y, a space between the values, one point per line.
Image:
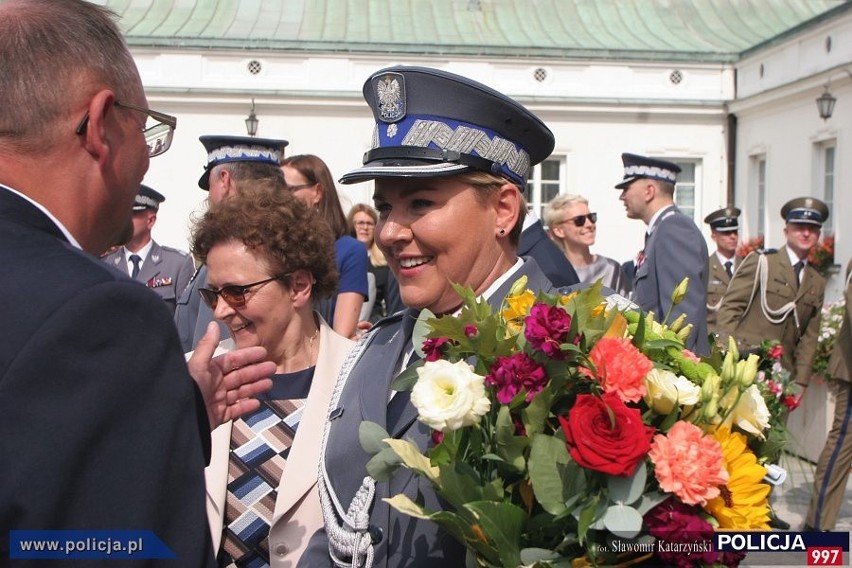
x=390 y=94
x=159 y=282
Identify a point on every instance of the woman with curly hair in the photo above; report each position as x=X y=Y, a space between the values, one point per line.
x=269 y=258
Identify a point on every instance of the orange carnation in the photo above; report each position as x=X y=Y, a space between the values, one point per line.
x=620 y=368
x=688 y=463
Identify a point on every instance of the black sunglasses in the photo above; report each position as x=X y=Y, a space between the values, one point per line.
x=235 y=295
x=580 y=220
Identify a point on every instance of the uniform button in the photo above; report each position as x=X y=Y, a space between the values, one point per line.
x=376 y=534
x=281 y=549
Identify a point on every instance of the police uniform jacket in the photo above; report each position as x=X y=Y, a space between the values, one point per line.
x=841 y=357
x=297 y=512
x=717 y=284
x=534 y=242
x=166 y=270
x=674 y=250
x=749 y=307
x=103 y=428
x=399 y=540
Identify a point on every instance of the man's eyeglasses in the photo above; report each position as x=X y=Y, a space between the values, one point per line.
x=364 y=224
x=158 y=130
x=580 y=220
x=300 y=186
x=235 y=296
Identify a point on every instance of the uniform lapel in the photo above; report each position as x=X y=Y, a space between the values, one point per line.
x=151 y=266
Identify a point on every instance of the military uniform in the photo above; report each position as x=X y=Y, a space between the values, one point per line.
x=832 y=470
x=165 y=270
x=724 y=220
x=765 y=300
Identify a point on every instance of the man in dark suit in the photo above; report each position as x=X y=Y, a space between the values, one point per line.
x=103 y=427
x=552 y=261
x=674 y=247
x=165 y=270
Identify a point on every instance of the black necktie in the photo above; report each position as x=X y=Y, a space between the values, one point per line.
x=797 y=268
x=728 y=266
x=135 y=259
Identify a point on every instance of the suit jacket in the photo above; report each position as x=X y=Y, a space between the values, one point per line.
x=166 y=270
x=551 y=260
x=192 y=315
x=716 y=287
x=841 y=357
x=103 y=426
x=399 y=540
x=297 y=508
x=674 y=250
x=742 y=315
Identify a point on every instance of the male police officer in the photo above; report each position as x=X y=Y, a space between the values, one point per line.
x=725 y=231
x=777 y=295
x=674 y=247
x=230 y=160
x=163 y=269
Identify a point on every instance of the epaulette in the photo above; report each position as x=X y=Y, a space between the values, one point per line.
x=170 y=249
x=766 y=251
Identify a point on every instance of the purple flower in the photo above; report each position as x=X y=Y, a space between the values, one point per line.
x=512 y=374
x=673 y=521
x=546 y=328
x=432 y=348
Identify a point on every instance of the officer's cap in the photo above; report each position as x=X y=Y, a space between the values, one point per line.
x=147 y=198
x=805 y=210
x=224 y=149
x=640 y=167
x=724 y=220
x=431 y=123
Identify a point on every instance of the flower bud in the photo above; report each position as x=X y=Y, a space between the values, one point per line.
x=683 y=334
x=710 y=410
x=732 y=347
x=676 y=324
x=710 y=388
x=749 y=371
x=729 y=369
x=679 y=292
x=519 y=286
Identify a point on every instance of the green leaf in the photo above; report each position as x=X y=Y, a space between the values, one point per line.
x=372 y=436
x=503 y=524
x=532 y=555
x=383 y=465
x=663 y=344
x=639 y=336
x=550 y=472
x=408 y=377
x=510 y=447
x=628 y=490
x=623 y=521
x=650 y=500
x=411 y=457
x=587 y=516
x=670 y=420
x=460 y=484
x=421 y=331
x=534 y=416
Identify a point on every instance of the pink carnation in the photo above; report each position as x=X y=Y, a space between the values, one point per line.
x=547 y=328
x=621 y=368
x=672 y=521
x=432 y=348
x=512 y=374
x=688 y=463
x=687 y=354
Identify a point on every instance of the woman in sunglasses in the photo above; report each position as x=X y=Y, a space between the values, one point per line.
x=573 y=228
x=269 y=257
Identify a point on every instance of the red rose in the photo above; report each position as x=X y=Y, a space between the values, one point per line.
x=605 y=435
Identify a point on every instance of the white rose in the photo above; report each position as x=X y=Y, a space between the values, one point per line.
x=750 y=414
x=449 y=396
x=665 y=390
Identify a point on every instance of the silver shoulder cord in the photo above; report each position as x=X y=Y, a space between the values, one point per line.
x=773 y=316
x=351 y=539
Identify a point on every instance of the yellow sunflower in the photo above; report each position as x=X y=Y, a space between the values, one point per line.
x=743 y=504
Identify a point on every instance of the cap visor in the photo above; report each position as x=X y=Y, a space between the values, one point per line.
x=624 y=183
x=204 y=180
x=402 y=169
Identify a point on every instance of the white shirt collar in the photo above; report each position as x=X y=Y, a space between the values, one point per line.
x=723 y=260
x=657 y=216
x=793 y=258
x=50 y=216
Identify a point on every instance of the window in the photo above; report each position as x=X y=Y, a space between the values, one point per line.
x=825 y=180
x=759 y=165
x=686 y=188
x=544 y=184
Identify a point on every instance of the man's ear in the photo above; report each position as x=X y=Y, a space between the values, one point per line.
x=96 y=135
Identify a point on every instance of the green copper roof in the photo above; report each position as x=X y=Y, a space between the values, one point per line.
x=711 y=30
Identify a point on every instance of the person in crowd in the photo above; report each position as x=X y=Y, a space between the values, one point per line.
x=425 y=195
x=535 y=243
x=165 y=270
x=674 y=247
x=105 y=428
x=725 y=232
x=309 y=178
x=574 y=227
x=269 y=257
x=835 y=460
x=231 y=161
x=775 y=294
x=362 y=220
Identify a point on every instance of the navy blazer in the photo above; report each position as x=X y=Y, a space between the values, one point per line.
x=103 y=428
x=401 y=540
x=551 y=260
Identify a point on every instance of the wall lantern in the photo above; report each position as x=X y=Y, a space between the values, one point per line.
x=252 y=121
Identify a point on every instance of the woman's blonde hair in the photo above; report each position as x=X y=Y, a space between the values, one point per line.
x=377 y=257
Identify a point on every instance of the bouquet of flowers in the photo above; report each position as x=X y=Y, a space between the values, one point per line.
x=829 y=326
x=781 y=396
x=569 y=431
x=749 y=246
x=821 y=256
